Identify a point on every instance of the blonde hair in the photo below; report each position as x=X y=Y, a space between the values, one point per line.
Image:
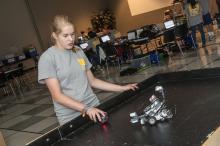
x=58 y=22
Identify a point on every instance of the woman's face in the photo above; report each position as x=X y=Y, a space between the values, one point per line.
x=65 y=39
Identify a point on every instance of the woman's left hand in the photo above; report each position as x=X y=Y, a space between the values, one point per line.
x=130 y=87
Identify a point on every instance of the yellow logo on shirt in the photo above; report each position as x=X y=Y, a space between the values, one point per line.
x=82 y=63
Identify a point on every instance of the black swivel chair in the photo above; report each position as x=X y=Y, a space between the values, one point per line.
x=181 y=33
x=111 y=54
x=170 y=40
x=6 y=86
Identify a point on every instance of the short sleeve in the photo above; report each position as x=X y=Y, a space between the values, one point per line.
x=46 y=68
x=88 y=64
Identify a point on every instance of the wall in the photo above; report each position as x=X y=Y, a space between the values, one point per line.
x=143 y=6
x=15 y=27
x=79 y=11
x=18 y=30
x=126 y=22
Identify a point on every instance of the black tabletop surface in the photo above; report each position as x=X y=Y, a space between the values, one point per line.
x=197 y=115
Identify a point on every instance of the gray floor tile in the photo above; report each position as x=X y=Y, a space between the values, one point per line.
x=37 y=109
x=15 y=108
x=5 y=107
x=26 y=123
x=7 y=133
x=26 y=98
x=1 y=105
x=14 y=121
x=4 y=117
x=34 y=92
x=55 y=125
x=47 y=113
x=36 y=99
x=20 y=138
x=8 y=99
x=37 y=127
x=46 y=100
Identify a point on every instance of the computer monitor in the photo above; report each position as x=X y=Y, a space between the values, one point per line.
x=131 y=35
x=105 y=38
x=169 y=24
x=84 y=45
x=21 y=57
x=11 y=60
x=139 y=31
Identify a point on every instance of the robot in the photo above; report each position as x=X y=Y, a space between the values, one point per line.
x=156 y=111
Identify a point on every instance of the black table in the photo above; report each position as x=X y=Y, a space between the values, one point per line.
x=195 y=94
x=13 y=70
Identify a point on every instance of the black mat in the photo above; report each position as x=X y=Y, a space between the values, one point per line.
x=198 y=109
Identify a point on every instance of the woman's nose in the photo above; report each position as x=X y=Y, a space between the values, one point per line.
x=71 y=38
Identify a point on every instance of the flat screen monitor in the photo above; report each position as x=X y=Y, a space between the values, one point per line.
x=21 y=57
x=169 y=24
x=84 y=45
x=139 y=31
x=11 y=60
x=105 y=38
x=131 y=35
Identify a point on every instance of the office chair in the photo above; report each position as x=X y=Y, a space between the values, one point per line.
x=108 y=53
x=181 y=34
x=170 y=41
x=6 y=86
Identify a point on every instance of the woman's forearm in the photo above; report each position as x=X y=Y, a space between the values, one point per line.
x=103 y=85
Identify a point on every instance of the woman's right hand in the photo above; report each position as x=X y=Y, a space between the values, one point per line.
x=95 y=113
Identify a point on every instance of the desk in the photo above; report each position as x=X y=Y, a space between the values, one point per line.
x=27 y=63
x=14 y=70
x=155 y=39
x=197 y=115
x=139 y=41
x=151 y=43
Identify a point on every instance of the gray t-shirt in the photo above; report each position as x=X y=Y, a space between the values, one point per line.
x=69 y=68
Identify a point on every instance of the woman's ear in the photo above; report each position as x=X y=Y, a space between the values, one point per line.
x=54 y=35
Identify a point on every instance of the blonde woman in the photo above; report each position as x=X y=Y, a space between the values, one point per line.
x=65 y=70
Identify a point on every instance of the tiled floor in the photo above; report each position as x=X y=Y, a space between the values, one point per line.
x=23 y=118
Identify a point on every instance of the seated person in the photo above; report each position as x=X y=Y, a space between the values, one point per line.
x=83 y=37
x=169 y=34
x=93 y=58
x=107 y=30
x=168 y=15
x=91 y=33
